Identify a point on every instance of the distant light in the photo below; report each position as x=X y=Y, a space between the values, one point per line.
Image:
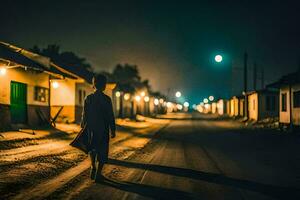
x=178 y=94
x=186 y=104
x=207 y=106
x=137 y=98
x=201 y=104
x=55 y=84
x=2 y=71
x=205 y=100
x=118 y=94
x=126 y=96
x=156 y=102
x=211 y=98
x=218 y=58
x=179 y=106
x=161 y=100
x=194 y=106
x=169 y=104
x=146 y=99
x=143 y=94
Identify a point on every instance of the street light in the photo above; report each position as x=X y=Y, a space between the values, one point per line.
x=211 y=98
x=178 y=94
x=118 y=94
x=186 y=104
x=205 y=100
x=126 y=96
x=218 y=58
x=137 y=98
x=156 y=102
x=146 y=99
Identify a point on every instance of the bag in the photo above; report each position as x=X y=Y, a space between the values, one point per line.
x=81 y=141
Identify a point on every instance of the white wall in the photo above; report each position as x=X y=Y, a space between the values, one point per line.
x=64 y=95
x=296 y=111
x=28 y=77
x=253 y=106
x=284 y=117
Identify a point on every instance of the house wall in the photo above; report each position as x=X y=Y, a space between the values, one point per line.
x=295 y=111
x=220 y=107
x=231 y=113
x=85 y=89
x=284 y=116
x=241 y=107
x=31 y=79
x=263 y=112
x=236 y=107
x=253 y=106
x=63 y=95
x=214 y=107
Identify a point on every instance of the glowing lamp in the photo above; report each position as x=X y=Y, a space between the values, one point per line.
x=186 y=104
x=178 y=94
x=146 y=99
x=161 y=100
x=218 y=58
x=179 y=106
x=126 y=96
x=55 y=84
x=118 y=94
x=169 y=104
x=137 y=98
x=2 y=71
x=205 y=100
x=143 y=94
x=211 y=98
x=156 y=102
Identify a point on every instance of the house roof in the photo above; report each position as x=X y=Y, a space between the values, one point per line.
x=289 y=79
x=31 y=60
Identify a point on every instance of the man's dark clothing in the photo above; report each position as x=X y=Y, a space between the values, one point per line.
x=98 y=117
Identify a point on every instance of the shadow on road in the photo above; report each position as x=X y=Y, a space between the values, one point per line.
x=147 y=190
x=269 y=190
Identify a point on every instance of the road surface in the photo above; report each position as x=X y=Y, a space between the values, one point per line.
x=203 y=158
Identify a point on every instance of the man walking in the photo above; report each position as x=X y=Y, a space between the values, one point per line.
x=97 y=119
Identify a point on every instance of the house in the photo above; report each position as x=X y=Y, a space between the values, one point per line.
x=221 y=106
x=289 y=99
x=59 y=91
x=262 y=104
x=25 y=86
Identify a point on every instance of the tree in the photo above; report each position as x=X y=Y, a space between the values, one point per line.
x=66 y=59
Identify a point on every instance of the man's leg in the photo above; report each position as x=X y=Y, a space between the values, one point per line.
x=99 y=168
x=93 y=171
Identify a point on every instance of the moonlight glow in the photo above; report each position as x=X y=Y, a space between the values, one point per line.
x=218 y=58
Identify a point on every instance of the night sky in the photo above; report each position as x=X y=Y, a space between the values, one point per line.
x=172 y=43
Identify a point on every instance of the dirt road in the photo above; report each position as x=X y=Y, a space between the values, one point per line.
x=206 y=158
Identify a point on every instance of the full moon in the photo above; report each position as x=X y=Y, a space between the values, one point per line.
x=218 y=58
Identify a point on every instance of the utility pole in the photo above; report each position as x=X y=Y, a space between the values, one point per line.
x=262 y=78
x=245 y=84
x=254 y=76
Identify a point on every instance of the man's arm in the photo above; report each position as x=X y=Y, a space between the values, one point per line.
x=84 y=116
x=111 y=120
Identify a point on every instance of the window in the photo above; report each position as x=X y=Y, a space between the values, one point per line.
x=40 y=94
x=296 y=99
x=270 y=103
x=283 y=102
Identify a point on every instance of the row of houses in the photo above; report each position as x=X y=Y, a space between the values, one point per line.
x=34 y=90
x=279 y=100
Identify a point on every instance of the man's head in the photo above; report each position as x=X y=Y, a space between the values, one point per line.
x=99 y=82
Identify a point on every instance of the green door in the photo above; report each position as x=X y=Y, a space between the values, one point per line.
x=18 y=102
